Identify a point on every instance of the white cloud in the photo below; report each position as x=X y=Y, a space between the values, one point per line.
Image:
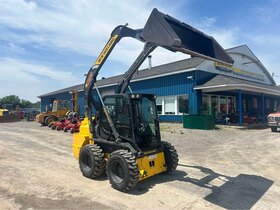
x=28 y=80
x=268 y=13
x=207 y=21
x=266 y=48
x=227 y=37
x=82 y=27
x=266 y=40
x=16 y=48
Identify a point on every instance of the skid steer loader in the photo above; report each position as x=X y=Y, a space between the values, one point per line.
x=121 y=133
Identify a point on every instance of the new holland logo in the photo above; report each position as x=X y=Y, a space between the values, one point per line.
x=106 y=50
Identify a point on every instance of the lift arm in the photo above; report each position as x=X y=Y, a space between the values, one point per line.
x=160 y=30
x=118 y=33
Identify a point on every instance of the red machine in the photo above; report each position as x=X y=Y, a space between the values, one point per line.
x=60 y=125
x=71 y=122
x=74 y=126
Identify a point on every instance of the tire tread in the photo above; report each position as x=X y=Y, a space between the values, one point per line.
x=171 y=156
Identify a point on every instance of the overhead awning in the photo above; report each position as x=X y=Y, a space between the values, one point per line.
x=223 y=83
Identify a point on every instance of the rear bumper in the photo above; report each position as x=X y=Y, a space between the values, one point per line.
x=151 y=165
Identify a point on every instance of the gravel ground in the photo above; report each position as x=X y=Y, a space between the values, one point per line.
x=225 y=168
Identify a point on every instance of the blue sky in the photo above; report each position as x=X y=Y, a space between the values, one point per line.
x=50 y=44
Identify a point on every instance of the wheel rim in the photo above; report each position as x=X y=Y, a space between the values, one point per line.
x=117 y=172
x=87 y=162
x=49 y=120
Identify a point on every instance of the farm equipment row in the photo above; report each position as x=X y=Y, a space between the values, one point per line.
x=70 y=122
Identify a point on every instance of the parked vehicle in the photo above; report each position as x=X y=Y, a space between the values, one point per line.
x=59 y=109
x=124 y=140
x=273 y=121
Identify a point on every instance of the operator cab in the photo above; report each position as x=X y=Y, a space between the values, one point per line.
x=60 y=105
x=135 y=118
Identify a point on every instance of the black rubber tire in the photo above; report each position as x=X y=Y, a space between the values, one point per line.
x=53 y=127
x=50 y=125
x=58 y=128
x=72 y=130
x=68 y=113
x=49 y=119
x=65 y=129
x=91 y=161
x=274 y=129
x=171 y=157
x=122 y=170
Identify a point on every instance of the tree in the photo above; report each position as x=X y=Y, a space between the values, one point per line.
x=36 y=105
x=11 y=99
x=25 y=104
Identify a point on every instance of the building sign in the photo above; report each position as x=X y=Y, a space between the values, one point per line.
x=237 y=71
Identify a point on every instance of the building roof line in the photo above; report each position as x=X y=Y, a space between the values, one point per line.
x=181 y=66
x=237 y=87
x=147 y=78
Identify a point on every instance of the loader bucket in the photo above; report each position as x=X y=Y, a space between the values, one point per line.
x=174 y=35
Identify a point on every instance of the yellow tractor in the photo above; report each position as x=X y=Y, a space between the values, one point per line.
x=7 y=115
x=59 y=109
x=4 y=112
x=121 y=133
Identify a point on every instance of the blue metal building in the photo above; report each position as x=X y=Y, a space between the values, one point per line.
x=244 y=92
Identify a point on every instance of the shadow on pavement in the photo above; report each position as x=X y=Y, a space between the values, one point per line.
x=240 y=192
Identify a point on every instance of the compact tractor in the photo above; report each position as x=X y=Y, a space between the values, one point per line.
x=60 y=109
x=121 y=133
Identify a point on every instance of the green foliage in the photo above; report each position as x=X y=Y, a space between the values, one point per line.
x=12 y=101
x=25 y=104
x=36 y=105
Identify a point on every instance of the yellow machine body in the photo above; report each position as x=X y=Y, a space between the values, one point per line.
x=149 y=165
x=4 y=112
x=81 y=138
x=40 y=118
x=60 y=108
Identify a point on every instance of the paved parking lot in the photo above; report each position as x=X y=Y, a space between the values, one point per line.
x=225 y=168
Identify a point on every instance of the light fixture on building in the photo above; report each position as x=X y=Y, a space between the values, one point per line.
x=150 y=61
x=190 y=77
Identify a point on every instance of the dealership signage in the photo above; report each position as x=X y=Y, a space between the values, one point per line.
x=237 y=71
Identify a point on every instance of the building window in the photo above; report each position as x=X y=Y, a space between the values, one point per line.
x=244 y=110
x=172 y=105
x=214 y=105
x=182 y=104
x=267 y=103
x=231 y=105
x=169 y=105
x=223 y=105
x=255 y=103
x=159 y=105
x=205 y=105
